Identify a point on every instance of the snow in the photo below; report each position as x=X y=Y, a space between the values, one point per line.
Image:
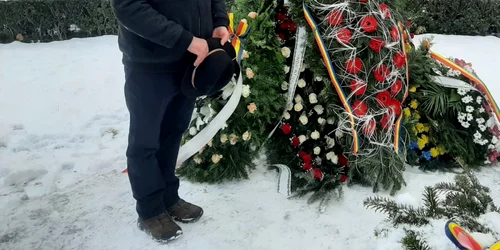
x=63 y=134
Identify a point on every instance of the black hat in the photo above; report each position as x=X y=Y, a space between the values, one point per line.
x=215 y=72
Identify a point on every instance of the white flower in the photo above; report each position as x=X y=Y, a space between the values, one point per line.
x=317 y=150
x=470 y=117
x=233 y=139
x=478 y=135
x=453 y=73
x=216 y=158
x=479 y=100
x=491 y=146
x=227 y=91
x=223 y=138
x=245 y=55
x=303 y=119
x=315 y=135
x=302 y=139
x=461 y=116
x=199 y=122
x=319 y=109
x=465 y=124
x=467 y=99
x=303 y=68
x=210 y=143
x=287 y=115
x=482 y=127
x=284 y=86
x=245 y=92
x=484 y=142
x=494 y=140
x=313 y=98
x=332 y=157
x=321 y=121
x=338 y=133
x=481 y=110
x=285 y=51
x=208 y=112
x=289 y=106
x=318 y=78
x=462 y=91
x=480 y=120
x=249 y=72
x=224 y=126
x=469 y=109
x=491 y=122
x=246 y=136
x=330 y=142
x=330 y=121
x=301 y=83
x=197 y=160
x=286 y=69
x=193 y=131
x=298 y=107
x=298 y=99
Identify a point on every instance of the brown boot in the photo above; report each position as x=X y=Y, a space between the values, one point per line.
x=162 y=228
x=185 y=212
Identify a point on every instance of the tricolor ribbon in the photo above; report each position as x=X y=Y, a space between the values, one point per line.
x=477 y=83
x=333 y=76
x=237 y=35
x=398 y=125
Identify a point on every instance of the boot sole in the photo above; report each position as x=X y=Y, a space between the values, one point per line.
x=191 y=220
x=161 y=241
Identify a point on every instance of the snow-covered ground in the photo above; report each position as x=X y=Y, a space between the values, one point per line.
x=63 y=129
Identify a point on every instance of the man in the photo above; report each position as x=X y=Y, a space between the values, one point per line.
x=159 y=38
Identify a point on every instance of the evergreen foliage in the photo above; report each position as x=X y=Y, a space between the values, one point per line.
x=413 y=241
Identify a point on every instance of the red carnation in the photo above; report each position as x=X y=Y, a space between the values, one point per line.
x=284 y=25
x=381 y=73
x=399 y=60
x=360 y=108
x=376 y=44
x=307 y=158
x=358 y=87
x=369 y=24
x=408 y=23
x=287 y=129
x=394 y=106
x=302 y=154
x=386 y=12
x=369 y=127
x=344 y=36
x=354 y=66
x=395 y=33
x=385 y=122
x=335 y=18
x=396 y=87
x=282 y=36
x=343 y=178
x=412 y=35
x=384 y=98
x=307 y=166
x=281 y=16
x=295 y=141
x=318 y=175
x=292 y=27
x=343 y=161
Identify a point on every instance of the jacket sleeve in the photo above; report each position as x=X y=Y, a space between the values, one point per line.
x=219 y=14
x=140 y=18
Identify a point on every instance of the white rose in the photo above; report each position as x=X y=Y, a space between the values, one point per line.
x=321 y=121
x=303 y=119
x=287 y=115
x=249 y=72
x=303 y=68
x=313 y=98
x=216 y=158
x=246 y=136
x=298 y=99
x=330 y=142
x=298 y=107
x=330 y=121
x=245 y=92
x=315 y=135
x=319 y=109
x=223 y=138
x=302 y=138
x=318 y=78
x=193 y=131
x=245 y=55
x=317 y=150
x=285 y=51
x=332 y=157
x=284 y=86
x=286 y=69
x=289 y=107
x=301 y=83
x=339 y=133
x=197 y=160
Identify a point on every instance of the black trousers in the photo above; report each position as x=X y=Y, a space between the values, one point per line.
x=159 y=115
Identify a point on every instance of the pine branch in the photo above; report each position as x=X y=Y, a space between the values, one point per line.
x=413 y=241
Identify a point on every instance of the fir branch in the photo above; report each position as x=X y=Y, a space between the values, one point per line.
x=413 y=241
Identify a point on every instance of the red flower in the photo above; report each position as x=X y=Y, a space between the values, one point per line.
x=408 y=23
x=354 y=66
x=399 y=60
x=412 y=35
x=493 y=157
x=307 y=158
x=343 y=161
x=386 y=12
x=381 y=73
x=358 y=87
x=282 y=36
x=344 y=36
x=343 y=178
x=292 y=27
x=284 y=26
x=394 y=107
x=385 y=122
x=369 y=127
x=282 y=16
x=395 y=33
x=307 y=166
x=302 y=154
x=396 y=87
x=318 y=175
x=376 y=44
x=335 y=18
x=369 y=24
x=360 y=108
x=384 y=98
x=295 y=141
x=364 y=1
x=287 y=129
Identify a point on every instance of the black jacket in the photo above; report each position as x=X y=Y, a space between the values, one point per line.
x=154 y=35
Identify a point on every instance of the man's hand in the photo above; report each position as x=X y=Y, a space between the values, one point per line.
x=199 y=47
x=222 y=33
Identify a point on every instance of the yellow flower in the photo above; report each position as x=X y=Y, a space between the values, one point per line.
x=420 y=127
x=407 y=112
x=441 y=150
x=414 y=104
x=434 y=152
x=416 y=115
x=415 y=131
x=413 y=89
x=424 y=140
x=426 y=128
